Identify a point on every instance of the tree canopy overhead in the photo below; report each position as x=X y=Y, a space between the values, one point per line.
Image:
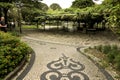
x=82 y=3
x=55 y=6
x=34 y=8
x=28 y=8
x=111 y=2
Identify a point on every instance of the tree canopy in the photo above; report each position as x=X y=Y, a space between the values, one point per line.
x=29 y=7
x=82 y=3
x=44 y=7
x=34 y=8
x=55 y=6
x=110 y=9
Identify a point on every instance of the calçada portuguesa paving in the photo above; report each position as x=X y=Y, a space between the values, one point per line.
x=57 y=61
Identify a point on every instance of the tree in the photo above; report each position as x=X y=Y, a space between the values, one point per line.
x=5 y=5
x=44 y=7
x=111 y=2
x=55 y=6
x=32 y=10
x=112 y=8
x=82 y=3
x=114 y=16
x=29 y=14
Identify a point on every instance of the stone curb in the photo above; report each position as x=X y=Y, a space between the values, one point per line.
x=28 y=67
x=16 y=70
x=107 y=75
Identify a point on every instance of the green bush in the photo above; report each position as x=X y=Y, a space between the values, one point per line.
x=99 y=48
x=112 y=54
x=111 y=57
x=106 y=49
x=12 y=52
x=117 y=62
x=115 y=47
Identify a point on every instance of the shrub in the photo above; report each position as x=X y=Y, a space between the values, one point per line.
x=115 y=47
x=117 y=62
x=110 y=57
x=99 y=48
x=12 y=52
x=112 y=54
x=106 y=49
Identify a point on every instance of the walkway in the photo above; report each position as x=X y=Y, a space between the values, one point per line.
x=58 y=61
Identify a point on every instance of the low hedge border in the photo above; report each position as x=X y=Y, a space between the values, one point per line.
x=24 y=62
x=17 y=69
x=13 y=54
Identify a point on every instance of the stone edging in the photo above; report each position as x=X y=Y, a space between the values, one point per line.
x=16 y=70
x=27 y=69
x=107 y=75
x=19 y=68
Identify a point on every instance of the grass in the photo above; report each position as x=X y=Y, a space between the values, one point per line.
x=29 y=26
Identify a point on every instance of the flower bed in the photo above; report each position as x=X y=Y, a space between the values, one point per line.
x=112 y=54
x=12 y=52
x=109 y=56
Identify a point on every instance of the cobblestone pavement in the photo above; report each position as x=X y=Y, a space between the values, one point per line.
x=57 y=61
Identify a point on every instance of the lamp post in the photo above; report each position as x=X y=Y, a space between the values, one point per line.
x=18 y=4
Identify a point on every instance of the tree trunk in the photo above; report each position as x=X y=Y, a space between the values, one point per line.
x=5 y=10
x=37 y=24
x=0 y=12
x=78 y=26
x=57 y=24
x=67 y=24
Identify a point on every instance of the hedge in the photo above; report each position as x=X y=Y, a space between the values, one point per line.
x=12 y=52
x=112 y=53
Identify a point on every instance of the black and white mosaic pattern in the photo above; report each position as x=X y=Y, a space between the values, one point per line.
x=64 y=68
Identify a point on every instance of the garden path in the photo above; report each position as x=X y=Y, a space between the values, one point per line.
x=58 y=58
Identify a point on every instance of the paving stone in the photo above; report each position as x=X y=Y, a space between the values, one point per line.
x=54 y=61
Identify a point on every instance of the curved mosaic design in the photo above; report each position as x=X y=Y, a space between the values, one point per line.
x=64 y=68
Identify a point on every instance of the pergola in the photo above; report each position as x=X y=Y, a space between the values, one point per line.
x=88 y=20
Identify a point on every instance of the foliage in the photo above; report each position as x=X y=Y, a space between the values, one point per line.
x=55 y=12
x=12 y=52
x=99 y=48
x=113 y=8
x=111 y=2
x=110 y=9
x=6 y=5
x=89 y=12
x=13 y=14
x=29 y=14
x=114 y=18
x=68 y=17
x=32 y=10
x=82 y=3
x=88 y=18
x=55 y=6
x=44 y=7
x=112 y=54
